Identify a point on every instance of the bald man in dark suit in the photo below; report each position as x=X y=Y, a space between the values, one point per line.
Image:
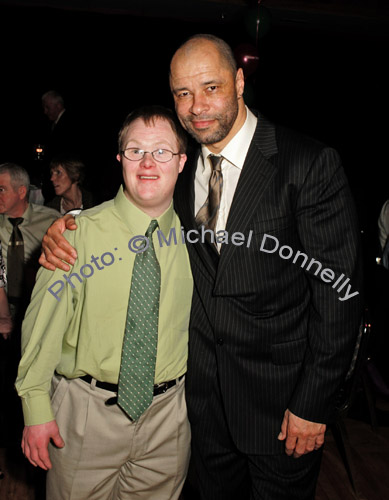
x=272 y=328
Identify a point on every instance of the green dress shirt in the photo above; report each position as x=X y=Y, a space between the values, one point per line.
x=75 y=322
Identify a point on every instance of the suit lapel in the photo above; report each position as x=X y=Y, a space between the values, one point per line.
x=255 y=177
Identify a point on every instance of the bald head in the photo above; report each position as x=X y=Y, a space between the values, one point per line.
x=208 y=42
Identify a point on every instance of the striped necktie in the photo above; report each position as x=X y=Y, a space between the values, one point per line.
x=209 y=212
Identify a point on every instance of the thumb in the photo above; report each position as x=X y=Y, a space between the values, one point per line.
x=70 y=222
x=284 y=426
x=57 y=440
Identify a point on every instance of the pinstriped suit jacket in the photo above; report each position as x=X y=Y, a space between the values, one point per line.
x=275 y=334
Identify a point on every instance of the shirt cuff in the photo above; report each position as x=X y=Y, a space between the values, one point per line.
x=37 y=410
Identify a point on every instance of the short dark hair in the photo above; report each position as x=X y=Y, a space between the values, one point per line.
x=149 y=114
x=73 y=167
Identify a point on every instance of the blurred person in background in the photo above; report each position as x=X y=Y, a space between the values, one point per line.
x=67 y=176
x=5 y=315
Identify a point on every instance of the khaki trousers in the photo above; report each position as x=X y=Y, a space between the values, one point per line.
x=108 y=457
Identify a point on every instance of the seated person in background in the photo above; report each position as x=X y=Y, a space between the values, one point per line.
x=383 y=225
x=5 y=315
x=67 y=175
x=113 y=346
x=22 y=226
x=5 y=322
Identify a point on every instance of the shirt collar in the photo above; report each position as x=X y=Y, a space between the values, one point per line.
x=136 y=220
x=59 y=116
x=236 y=150
x=27 y=215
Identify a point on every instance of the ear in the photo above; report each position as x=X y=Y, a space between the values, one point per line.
x=183 y=159
x=119 y=158
x=239 y=82
x=22 y=192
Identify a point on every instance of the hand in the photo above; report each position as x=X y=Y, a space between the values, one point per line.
x=302 y=436
x=55 y=248
x=35 y=441
x=6 y=326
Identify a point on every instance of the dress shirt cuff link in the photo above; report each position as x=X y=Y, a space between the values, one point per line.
x=37 y=410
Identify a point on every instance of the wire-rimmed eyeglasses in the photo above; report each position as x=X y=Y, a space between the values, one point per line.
x=160 y=155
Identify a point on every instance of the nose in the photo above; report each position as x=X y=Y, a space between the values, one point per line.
x=148 y=160
x=199 y=104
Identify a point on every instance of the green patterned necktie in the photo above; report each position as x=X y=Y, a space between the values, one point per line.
x=137 y=368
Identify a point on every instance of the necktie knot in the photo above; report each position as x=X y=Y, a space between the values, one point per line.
x=15 y=221
x=152 y=227
x=216 y=162
x=208 y=214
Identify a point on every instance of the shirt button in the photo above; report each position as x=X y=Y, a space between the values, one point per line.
x=220 y=341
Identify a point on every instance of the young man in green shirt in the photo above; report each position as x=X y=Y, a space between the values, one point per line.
x=72 y=379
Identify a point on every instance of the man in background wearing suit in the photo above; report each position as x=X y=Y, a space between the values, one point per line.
x=64 y=137
x=271 y=338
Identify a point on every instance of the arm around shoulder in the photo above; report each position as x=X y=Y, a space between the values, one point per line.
x=55 y=247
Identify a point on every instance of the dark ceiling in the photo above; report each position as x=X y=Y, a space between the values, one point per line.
x=322 y=70
x=371 y=15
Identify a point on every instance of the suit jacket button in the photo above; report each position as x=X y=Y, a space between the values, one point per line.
x=220 y=341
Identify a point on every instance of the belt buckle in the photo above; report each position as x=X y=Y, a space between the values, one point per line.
x=162 y=387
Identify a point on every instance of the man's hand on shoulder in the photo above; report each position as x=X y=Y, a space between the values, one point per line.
x=55 y=248
x=301 y=436
x=35 y=443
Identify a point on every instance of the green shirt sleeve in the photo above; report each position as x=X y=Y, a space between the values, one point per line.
x=42 y=338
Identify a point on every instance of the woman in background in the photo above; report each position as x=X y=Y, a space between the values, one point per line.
x=67 y=175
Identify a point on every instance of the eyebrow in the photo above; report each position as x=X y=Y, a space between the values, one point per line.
x=138 y=145
x=211 y=82
x=203 y=84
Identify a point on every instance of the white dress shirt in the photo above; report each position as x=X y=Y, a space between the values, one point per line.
x=234 y=155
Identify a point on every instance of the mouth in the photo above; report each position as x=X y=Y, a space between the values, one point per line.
x=202 y=124
x=148 y=177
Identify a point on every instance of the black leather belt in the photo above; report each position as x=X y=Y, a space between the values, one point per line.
x=158 y=389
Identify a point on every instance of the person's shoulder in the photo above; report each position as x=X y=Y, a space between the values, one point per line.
x=286 y=138
x=43 y=211
x=385 y=208
x=97 y=212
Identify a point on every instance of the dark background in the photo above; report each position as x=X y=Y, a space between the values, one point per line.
x=322 y=70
